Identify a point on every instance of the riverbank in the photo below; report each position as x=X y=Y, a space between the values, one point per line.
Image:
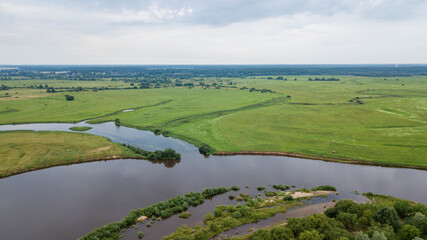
x=327 y=159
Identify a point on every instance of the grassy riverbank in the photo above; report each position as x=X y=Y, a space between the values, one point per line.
x=366 y=120
x=22 y=151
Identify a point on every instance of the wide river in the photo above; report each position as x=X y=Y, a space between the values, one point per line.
x=67 y=202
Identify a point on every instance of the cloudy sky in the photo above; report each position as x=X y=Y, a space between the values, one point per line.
x=213 y=31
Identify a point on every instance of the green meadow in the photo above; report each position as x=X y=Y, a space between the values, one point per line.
x=22 y=151
x=371 y=120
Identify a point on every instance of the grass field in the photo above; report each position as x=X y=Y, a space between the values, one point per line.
x=22 y=151
x=319 y=119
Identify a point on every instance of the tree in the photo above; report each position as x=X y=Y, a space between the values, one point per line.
x=409 y=232
x=310 y=235
x=69 y=97
x=388 y=216
x=117 y=122
x=403 y=208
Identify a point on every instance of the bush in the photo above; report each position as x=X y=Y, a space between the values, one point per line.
x=231 y=197
x=236 y=214
x=210 y=192
x=235 y=188
x=409 y=232
x=348 y=219
x=281 y=233
x=361 y=236
x=69 y=97
x=388 y=216
x=310 y=235
x=403 y=208
x=324 y=188
x=206 y=149
x=281 y=187
x=288 y=197
x=140 y=234
x=185 y=215
x=260 y=188
x=217 y=212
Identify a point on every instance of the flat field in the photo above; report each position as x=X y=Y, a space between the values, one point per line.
x=323 y=119
x=22 y=151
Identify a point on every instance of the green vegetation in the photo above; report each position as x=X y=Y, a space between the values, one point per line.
x=167 y=154
x=324 y=188
x=22 y=151
x=281 y=187
x=322 y=119
x=80 y=129
x=164 y=210
x=185 y=215
x=349 y=220
x=229 y=217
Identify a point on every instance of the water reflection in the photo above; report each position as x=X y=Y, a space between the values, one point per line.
x=67 y=202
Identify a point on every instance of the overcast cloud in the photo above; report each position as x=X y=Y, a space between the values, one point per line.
x=212 y=32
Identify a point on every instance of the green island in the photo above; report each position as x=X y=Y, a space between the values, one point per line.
x=381 y=217
x=80 y=129
x=23 y=151
x=350 y=119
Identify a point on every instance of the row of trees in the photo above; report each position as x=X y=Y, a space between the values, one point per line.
x=369 y=222
x=167 y=154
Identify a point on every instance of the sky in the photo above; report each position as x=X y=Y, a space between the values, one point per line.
x=213 y=31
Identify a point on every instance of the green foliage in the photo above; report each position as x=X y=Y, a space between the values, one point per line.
x=235 y=188
x=140 y=234
x=409 y=232
x=388 y=216
x=310 y=235
x=210 y=192
x=324 y=188
x=217 y=212
x=403 y=208
x=167 y=154
x=185 y=215
x=260 y=188
x=361 y=236
x=206 y=149
x=288 y=197
x=231 y=197
x=348 y=219
x=281 y=187
x=236 y=214
x=69 y=97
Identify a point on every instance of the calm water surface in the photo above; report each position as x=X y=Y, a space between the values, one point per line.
x=68 y=201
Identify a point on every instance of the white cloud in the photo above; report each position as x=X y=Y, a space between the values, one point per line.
x=367 y=31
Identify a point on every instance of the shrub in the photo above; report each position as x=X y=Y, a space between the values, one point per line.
x=324 y=188
x=235 y=188
x=361 y=236
x=403 y=208
x=281 y=233
x=231 y=197
x=281 y=187
x=69 y=97
x=288 y=197
x=260 y=188
x=378 y=236
x=210 y=192
x=140 y=234
x=348 y=219
x=310 y=235
x=213 y=227
x=208 y=217
x=388 y=216
x=185 y=215
x=217 y=212
x=236 y=214
x=206 y=149
x=409 y=232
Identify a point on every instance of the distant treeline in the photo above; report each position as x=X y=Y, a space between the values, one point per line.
x=323 y=79
x=166 y=72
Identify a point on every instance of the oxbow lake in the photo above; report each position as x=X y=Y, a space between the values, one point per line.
x=67 y=202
